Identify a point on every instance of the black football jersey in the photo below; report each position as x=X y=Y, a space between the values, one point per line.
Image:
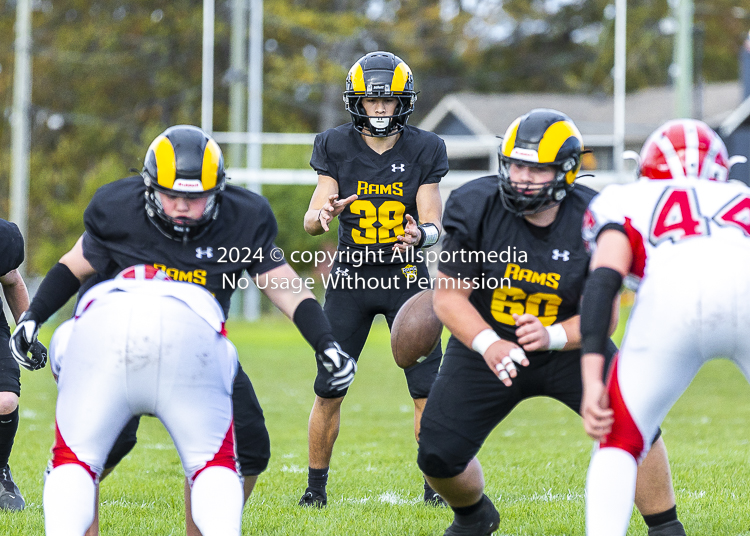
x=11 y=255
x=119 y=234
x=515 y=267
x=386 y=185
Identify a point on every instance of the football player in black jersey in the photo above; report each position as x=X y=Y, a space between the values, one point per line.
x=182 y=217
x=509 y=293
x=14 y=290
x=380 y=177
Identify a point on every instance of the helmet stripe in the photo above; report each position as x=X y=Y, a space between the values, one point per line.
x=509 y=141
x=357 y=78
x=709 y=159
x=211 y=159
x=670 y=155
x=166 y=162
x=554 y=138
x=692 y=156
x=400 y=77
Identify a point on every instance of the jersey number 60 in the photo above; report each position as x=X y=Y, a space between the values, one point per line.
x=512 y=300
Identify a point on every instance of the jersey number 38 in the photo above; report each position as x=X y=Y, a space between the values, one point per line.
x=389 y=215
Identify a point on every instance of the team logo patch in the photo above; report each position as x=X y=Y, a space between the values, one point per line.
x=560 y=255
x=200 y=252
x=409 y=271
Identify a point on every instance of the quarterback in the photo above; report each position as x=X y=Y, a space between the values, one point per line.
x=679 y=222
x=380 y=177
x=534 y=205
x=143 y=341
x=177 y=216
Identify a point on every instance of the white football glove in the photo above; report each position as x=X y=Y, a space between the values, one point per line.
x=24 y=341
x=338 y=363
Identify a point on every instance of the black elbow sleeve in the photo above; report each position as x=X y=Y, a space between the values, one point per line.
x=313 y=324
x=57 y=287
x=596 y=308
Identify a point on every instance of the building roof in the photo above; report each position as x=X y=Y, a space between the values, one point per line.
x=645 y=110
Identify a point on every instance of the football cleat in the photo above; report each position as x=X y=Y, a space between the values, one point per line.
x=484 y=522
x=432 y=497
x=313 y=497
x=673 y=528
x=10 y=495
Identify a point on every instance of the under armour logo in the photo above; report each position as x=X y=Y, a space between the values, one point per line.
x=557 y=255
x=208 y=252
x=396 y=168
x=344 y=272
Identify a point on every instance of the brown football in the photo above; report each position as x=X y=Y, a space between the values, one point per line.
x=416 y=330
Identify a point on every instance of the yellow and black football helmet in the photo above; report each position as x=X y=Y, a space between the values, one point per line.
x=541 y=138
x=380 y=74
x=183 y=161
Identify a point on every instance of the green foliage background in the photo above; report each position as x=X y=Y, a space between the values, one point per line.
x=120 y=71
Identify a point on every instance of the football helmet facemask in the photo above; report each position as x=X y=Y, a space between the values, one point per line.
x=183 y=161
x=540 y=138
x=685 y=148
x=380 y=74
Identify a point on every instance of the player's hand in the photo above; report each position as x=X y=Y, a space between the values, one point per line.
x=338 y=363
x=531 y=334
x=411 y=236
x=333 y=208
x=501 y=357
x=24 y=341
x=598 y=417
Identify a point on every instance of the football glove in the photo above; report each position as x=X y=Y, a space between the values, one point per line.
x=338 y=363
x=24 y=341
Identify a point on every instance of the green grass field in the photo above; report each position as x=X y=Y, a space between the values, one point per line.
x=535 y=462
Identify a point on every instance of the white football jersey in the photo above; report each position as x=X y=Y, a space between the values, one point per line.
x=197 y=298
x=661 y=215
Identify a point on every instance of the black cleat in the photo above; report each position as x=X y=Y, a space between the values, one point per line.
x=433 y=498
x=10 y=495
x=673 y=528
x=313 y=497
x=484 y=522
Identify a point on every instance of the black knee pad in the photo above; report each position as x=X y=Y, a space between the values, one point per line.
x=124 y=443
x=321 y=386
x=434 y=464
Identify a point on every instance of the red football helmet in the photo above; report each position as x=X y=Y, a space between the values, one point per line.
x=684 y=148
x=143 y=272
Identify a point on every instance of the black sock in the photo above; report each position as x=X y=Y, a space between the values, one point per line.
x=465 y=511
x=8 y=429
x=317 y=479
x=654 y=520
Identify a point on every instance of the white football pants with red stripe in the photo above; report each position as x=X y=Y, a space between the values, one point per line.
x=135 y=354
x=686 y=313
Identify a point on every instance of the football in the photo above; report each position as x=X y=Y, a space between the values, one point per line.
x=416 y=330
